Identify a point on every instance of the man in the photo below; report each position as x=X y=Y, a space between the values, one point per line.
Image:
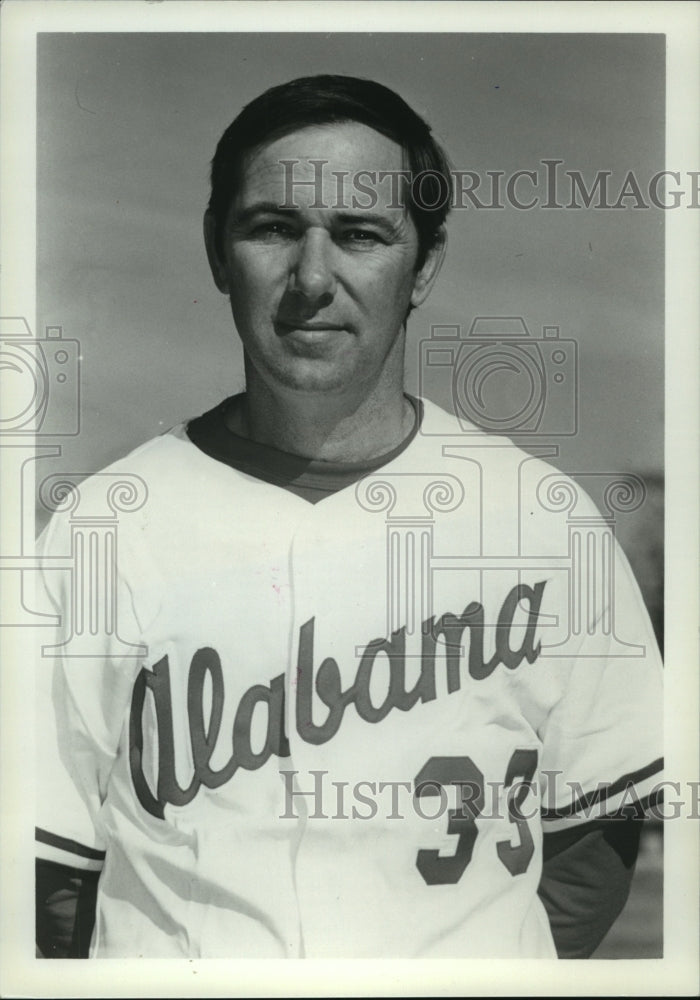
x=348 y=695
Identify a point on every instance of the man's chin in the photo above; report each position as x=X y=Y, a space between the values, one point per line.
x=311 y=375
x=314 y=382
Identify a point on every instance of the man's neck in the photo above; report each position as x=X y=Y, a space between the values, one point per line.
x=339 y=429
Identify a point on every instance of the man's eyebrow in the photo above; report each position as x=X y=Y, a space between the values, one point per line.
x=366 y=218
x=359 y=217
x=261 y=208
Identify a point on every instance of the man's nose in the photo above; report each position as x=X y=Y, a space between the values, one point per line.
x=312 y=276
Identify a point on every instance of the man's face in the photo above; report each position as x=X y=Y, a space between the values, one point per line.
x=320 y=290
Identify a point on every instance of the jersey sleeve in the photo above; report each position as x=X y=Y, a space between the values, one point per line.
x=65 y=910
x=82 y=696
x=586 y=878
x=602 y=739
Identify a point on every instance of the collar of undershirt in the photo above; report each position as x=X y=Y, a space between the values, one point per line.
x=310 y=479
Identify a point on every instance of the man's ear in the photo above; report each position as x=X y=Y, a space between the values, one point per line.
x=425 y=278
x=215 y=263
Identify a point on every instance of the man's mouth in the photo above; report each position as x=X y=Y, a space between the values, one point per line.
x=304 y=326
x=309 y=333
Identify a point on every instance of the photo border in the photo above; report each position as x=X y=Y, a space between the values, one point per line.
x=677 y=972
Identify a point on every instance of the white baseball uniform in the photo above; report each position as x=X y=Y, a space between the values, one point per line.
x=353 y=719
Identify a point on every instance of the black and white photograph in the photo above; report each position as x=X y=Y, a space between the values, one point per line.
x=349 y=462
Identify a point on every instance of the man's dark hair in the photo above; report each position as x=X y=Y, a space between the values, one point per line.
x=323 y=100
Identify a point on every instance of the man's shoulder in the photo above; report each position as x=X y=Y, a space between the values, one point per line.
x=446 y=428
x=160 y=465
x=161 y=455
x=440 y=423
x=157 y=452
x=501 y=462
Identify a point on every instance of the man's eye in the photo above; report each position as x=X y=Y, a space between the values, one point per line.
x=362 y=236
x=273 y=229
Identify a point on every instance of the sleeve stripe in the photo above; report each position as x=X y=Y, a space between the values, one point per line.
x=72 y=846
x=604 y=793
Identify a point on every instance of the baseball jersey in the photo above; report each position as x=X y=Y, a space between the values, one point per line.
x=340 y=729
